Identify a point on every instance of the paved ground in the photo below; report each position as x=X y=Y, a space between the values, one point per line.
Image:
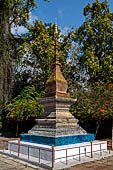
x=103 y=164
x=8 y=163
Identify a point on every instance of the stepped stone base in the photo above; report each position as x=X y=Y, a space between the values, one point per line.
x=59 y=132
x=56 y=123
x=57 y=126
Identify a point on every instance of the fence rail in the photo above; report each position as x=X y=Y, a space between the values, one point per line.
x=4 y=146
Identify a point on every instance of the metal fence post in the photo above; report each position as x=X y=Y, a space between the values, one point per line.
x=109 y=145
x=10 y=148
x=28 y=152
x=100 y=150
x=18 y=147
x=85 y=151
x=39 y=155
x=66 y=157
x=52 y=156
x=109 y=149
x=79 y=153
x=91 y=148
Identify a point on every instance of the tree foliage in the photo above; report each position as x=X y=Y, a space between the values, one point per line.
x=95 y=37
x=17 y=12
x=94 y=104
x=12 y=13
x=36 y=52
x=23 y=106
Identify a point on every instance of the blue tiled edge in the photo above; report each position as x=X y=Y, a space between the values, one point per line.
x=57 y=141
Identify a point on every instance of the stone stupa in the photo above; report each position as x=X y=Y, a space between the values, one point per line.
x=56 y=126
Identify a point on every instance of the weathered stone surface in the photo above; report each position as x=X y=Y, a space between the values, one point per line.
x=56 y=123
x=56 y=113
x=57 y=118
x=55 y=107
x=56 y=84
x=58 y=132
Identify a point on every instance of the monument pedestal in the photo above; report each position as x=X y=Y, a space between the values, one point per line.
x=57 y=126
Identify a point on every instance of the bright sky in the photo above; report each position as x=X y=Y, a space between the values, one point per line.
x=68 y=12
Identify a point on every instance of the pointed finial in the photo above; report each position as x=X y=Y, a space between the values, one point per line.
x=56 y=27
x=56 y=84
x=56 y=57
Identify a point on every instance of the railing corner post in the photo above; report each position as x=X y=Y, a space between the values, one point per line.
x=52 y=156
x=18 y=147
x=79 y=153
x=39 y=155
x=91 y=148
x=66 y=157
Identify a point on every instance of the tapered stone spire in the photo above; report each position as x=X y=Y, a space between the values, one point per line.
x=56 y=84
x=56 y=119
x=56 y=126
x=56 y=57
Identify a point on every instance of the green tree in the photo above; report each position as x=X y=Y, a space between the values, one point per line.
x=36 y=55
x=24 y=106
x=94 y=104
x=95 y=60
x=16 y=13
x=95 y=37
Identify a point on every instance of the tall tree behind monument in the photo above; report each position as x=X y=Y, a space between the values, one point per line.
x=6 y=71
x=16 y=13
x=95 y=37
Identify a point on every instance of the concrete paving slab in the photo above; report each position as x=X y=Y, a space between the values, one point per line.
x=1 y=168
x=28 y=168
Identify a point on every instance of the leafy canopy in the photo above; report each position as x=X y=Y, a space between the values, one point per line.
x=95 y=37
x=35 y=55
x=95 y=104
x=17 y=11
x=24 y=105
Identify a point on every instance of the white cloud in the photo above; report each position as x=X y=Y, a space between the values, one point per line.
x=65 y=30
x=32 y=18
x=60 y=13
x=22 y=29
x=18 y=30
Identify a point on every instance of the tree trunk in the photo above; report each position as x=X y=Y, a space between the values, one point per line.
x=6 y=70
x=17 y=128
x=97 y=128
